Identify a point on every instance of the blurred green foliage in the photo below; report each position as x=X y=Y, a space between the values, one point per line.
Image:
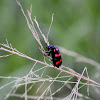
x=76 y=26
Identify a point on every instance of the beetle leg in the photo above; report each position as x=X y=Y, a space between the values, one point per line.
x=48 y=52
x=53 y=59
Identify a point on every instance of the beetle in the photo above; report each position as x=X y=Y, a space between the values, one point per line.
x=55 y=54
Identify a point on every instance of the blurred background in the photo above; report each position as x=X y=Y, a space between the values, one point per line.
x=76 y=27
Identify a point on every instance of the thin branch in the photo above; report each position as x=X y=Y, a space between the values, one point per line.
x=35 y=97
x=68 y=72
x=45 y=39
x=31 y=26
x=5 y=55
x=50 y=27
x=48 y=87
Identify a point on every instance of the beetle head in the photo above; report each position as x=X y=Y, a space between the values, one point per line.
x=50 y=47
